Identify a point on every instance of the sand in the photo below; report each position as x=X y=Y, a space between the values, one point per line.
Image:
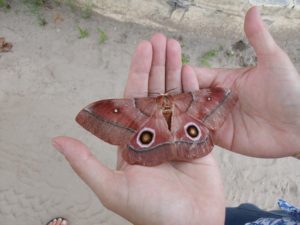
x=50 y=74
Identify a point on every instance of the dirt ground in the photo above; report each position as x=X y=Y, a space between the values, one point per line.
x=51 y=73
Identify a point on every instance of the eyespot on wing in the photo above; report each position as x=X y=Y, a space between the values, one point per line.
x=112 y=120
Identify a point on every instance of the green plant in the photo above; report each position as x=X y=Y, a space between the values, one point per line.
x=57 y=2
x=185 y=59
x=35 y=8
x=83 y=33
x=4 y=5
x=71 y=4
x=41 y=20
x=102 y=36
x=87 y=10
x=34 y=4
x=207 y=57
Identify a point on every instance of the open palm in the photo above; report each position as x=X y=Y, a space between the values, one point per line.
x=173 y=192
x=266 y=119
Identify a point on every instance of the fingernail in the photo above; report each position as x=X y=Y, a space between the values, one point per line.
x=57 y=146
x=64 y=222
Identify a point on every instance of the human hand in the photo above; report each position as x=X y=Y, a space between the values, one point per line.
x=171 y=193
x=265 y=122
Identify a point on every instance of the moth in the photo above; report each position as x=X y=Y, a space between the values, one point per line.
x=153 y=130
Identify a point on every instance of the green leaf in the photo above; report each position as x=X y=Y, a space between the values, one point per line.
x=102 y=36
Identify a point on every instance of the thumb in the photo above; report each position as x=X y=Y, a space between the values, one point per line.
x=103 y=181
x=258 y=35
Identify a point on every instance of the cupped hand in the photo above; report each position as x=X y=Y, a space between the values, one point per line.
x=266 y=119
x=179 y=193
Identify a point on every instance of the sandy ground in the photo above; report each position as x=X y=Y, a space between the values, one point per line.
x=199 y=15
x=50 y=74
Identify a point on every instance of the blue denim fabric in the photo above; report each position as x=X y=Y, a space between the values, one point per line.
x=246 y=213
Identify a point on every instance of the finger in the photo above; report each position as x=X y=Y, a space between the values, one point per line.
x=157 y=74
x=103 y=181
x=173 y=70
x=258 y=35
x=137 y=83
x=121 y=163
x=219 y=77
x=189 y=79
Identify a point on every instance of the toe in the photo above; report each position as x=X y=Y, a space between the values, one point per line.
x=53 y=222
x=64 y=222
x=61 y=221
x=58 y=221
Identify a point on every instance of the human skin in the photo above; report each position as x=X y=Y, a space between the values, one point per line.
x=266 y=119
x=264 y=123
x=58 y=221
x=172 y=193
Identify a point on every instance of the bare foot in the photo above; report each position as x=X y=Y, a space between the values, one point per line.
x=58 y=221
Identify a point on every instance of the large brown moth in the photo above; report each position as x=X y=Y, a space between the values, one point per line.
x=153 y=130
